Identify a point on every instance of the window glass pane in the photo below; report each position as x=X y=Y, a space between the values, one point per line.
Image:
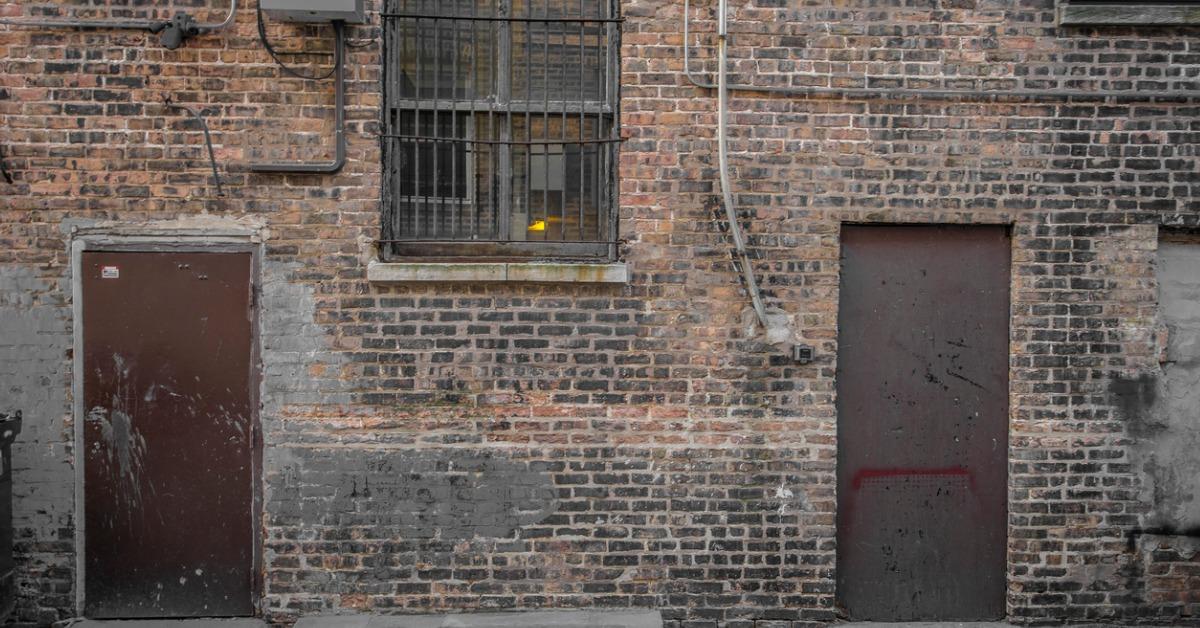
x=556 y=61
x=439 y=188
x=428 y=167
x=559 y=8
x=443 y=58
x=560 y=189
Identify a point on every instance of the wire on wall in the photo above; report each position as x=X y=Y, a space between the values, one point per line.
x=262 y=37
x=339 y=120
x=735 y=228
x=212 y=159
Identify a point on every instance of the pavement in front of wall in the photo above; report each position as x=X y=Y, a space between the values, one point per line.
x=170 y=623
x=954 y=624
x=925 y=624
x=350 y=622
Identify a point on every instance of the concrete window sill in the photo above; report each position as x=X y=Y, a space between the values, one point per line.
x=528 y=272
x=1133 y=13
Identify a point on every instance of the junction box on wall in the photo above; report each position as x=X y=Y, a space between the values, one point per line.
x=349 y=11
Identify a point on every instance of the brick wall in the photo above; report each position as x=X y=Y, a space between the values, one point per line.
x=633 y=445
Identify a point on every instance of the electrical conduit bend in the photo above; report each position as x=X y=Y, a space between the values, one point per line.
x=735 y=228
x=339 y=122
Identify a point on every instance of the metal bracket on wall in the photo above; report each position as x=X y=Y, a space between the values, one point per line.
x=177 y=30
x=339 y=158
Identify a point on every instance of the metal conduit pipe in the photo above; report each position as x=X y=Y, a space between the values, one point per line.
x=73 y=23
x=915 y=92
x=212 y=157
x=723 y=87
x=173 y=33
x=735 y=228
x=339 y=120
x=149 y=25
x=208 y=28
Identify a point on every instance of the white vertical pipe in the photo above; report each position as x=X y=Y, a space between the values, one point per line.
x=735 y=228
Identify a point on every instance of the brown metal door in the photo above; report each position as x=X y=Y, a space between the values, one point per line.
x=167 y=434
x=922 y=404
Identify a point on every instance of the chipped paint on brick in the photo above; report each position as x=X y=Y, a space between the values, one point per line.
x=300 y=364
x=34 y=378
x=411 y=495
x=1169 y=423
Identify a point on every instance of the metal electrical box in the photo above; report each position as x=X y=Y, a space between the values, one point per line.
x=349 y=11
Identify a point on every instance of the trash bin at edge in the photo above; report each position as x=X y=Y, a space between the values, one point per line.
x=10 y=426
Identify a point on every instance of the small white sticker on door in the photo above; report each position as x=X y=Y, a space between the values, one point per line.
x=110 y=272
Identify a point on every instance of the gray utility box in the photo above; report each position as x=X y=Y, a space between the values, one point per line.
x=350 y=11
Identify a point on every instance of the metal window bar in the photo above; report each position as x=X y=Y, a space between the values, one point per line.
x=500 y=128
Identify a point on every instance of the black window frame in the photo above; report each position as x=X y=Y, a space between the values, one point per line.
x=509 y=129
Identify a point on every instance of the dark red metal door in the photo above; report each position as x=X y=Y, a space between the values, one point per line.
x=922 y=404
x=168 y=432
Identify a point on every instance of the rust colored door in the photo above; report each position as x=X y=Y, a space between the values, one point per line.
x=168 y=435
x=922 y=386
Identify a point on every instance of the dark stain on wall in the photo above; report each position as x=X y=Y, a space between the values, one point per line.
x=1134 y=397
x=1191 y=532
x=413 y=494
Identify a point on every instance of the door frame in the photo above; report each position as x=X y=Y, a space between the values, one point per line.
x=1009 y=226
x=175 y=238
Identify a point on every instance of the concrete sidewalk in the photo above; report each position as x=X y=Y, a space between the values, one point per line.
x=926 y=624
x=170 y=623
x=532 y=619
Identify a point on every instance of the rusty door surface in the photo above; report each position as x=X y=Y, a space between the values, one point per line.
x=922 y=386
x=168 y=433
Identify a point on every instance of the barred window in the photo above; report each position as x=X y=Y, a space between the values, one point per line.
x=500 y=128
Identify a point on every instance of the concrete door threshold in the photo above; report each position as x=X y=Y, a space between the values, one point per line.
x=952 y=624
x=235 y=622
x=925 y=624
